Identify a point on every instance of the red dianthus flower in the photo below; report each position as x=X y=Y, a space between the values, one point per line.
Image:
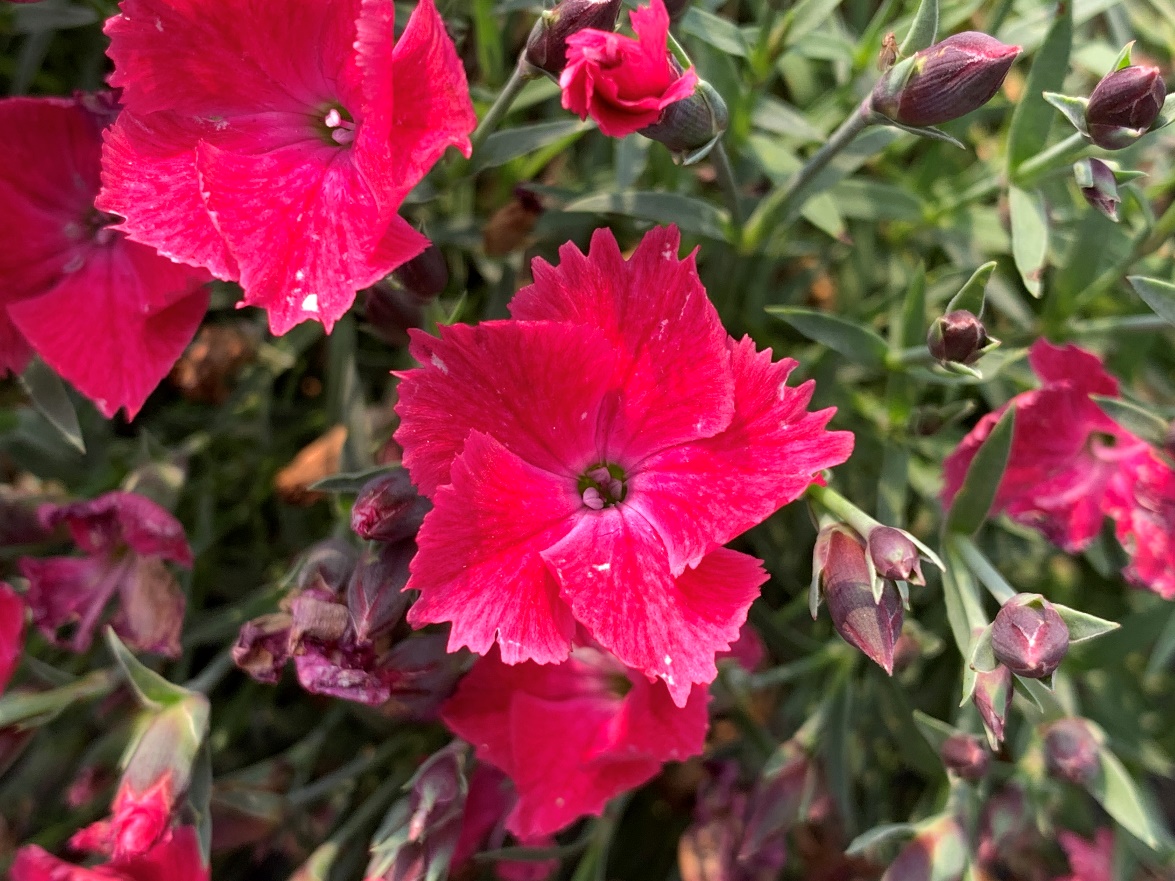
x=176 y=858
x=1140 y=499
x=622 y=83
x=12 y=614
x=588 y=459
x=273 y=143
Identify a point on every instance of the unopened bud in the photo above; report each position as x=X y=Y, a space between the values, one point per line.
x=937 y=853
x=691 y=126
x=375 y=597
x=676 y=8
x=1029 y=637
x=957 y=337
x=392 y=311
x=425 y=275
x=993 y=699
x=388 y=508
x=546 y=48
x=1124 y=105
x=894 y=555
x=1072 y=751
x=966 y=756
x=1098 y=186
x=871 y=626
x=331 y=560
x=945 y=81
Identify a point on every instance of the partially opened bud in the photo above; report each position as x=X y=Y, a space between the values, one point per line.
x=1029 y=637
x=691 y=126
x=263 y=646
x=1072 y=751
x=957 y=337
x=425 y=275
x=894 y=554
x=993 y=699
x=388 y=508
x=966 y=756
x=945 y=81
x=546 y=47
x=1098 y=186
x=938 y=852
x=1124 y=105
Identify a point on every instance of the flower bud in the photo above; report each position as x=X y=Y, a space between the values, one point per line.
x=966 y=756
x=894 y=555
x=691 y=126
x=873 y=627
x=1124 y=105
x=330 y=560
x=392 y=311
x=945 y=81
x=937 y=853
x=1072 y=751
x=1098 y=186
x=375 y=597
x=1029 y=637
x=388 y=508
x=425 y=275
x=546 y=48
x=957 y=337
x=993 y=699
x=676 y=8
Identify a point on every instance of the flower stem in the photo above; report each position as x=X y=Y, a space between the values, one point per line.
x=995 y=583
x=784 y=200
x=327 y=784
x=22 y=707
x=726 y=180
x=1057 y=156
x=489 y=123
x=841 y=508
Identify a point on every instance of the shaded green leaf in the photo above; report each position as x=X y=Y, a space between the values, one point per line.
x=1031 y=118
x=1082 y=625
x=923 y=29
x=1158 y=294
x=350 y=482
x=1164 y=648
x=1072 y=108
x=721 y=33
x=47 y=392
x=152 y=689
x=841 y=335
x=503 y=146
x=1117 y=792
x=971 y=295
x=879 y=835
x=806 y=16
x=974 y=499
x=1135 y=419
x=692 y=215
x=1030 y=236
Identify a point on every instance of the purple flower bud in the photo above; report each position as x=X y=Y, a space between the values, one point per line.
x=388 y=508
x=676 y=8
x=392 y=311
x=894 y=555
x=993 y=699
x=1124 y=105
x=425 y=275
x=1099 y=187
x=330 y=561
x=546 y=48
x=945 y=81
x=375 y=598
x=1029 y=637
x=1072 y=751
x=692 y=123
x=937 y=853
x=966 y=756
x=872 y=627
x=957 y=337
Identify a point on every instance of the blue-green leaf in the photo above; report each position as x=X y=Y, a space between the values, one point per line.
x=1134 y=419
x=692 y=215
x=1031 y=119
x=974 y=499
x=47 y=392
x=501 y=147
x=923 y=29
x=1030 y=236
x=971 y=295
x=1156 y=293
x=841 y=335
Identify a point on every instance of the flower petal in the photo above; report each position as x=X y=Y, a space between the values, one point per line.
x=15 y=352
x=478 y=563
x=66 y=591
x=12 y=613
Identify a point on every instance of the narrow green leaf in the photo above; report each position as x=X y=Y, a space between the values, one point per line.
x=934 y=730
x=841 y=335
x=1120 y=796
x=927 y=131
x=913 y=323
x=200 y=798
x=348 y=483
x=1030 y=236
x=879 y=835
x=1156 y=293
x=973 y=501
x=692 y=215
x=971 y=295
x=923 y=29
x=806 y=16
x=721 y=33
x=1164 y=648
x=1135 y=419
x=1082 y=625
x=152 y=689
x=47 y=392
x=42 y=17
x=501 y=147
x=982 y=658
x=1072 y=108
x=1123 y=59
x=1031 y=119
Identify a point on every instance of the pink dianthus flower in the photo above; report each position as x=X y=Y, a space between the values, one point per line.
x=588 y=459
x=573 y=735
x=176 y=858
x=273 y=143
x=1140 y=499
x=12 y=615
x=1088 y=860
x=108 y=314
x=622 y=83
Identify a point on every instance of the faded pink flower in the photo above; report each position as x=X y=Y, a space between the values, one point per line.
x=1140 y=499
x=125 y=538
x=109 y=315
x=588 y=459
x=12 y=614
x=572 y=735
x=176 y=858
x=273 y=144
x=1063 y=448
x=622 y=83
x=1088 y=860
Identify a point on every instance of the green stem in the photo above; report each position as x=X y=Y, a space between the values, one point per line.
x=1136 y=323
x=995 y=583
x=489 y=123
x=841 y=508
x=782 y=201
x=20 y=706
x=726 y=180
x=211 y=675
x=1056 y=157
x=324 y=786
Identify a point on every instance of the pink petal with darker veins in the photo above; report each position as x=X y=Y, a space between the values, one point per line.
x=479 y=563
x=1140 y=499
x=12 y=615
x=702 y=493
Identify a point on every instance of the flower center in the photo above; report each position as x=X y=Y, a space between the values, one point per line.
x=339 y=126
x=602 y=486
x=93 y=228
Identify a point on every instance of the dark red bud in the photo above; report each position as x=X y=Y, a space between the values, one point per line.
x=676 y=8
x=944 y=81
x=1124 y=105
x=388 y=508
x=873 y=627
x=331 y=561
x=392 y=311
x=375 y=597
x=894 y=555
x=966 y=756
x=425 y=275
x=1071 y=751
x=1029 y=637
x=993 y=699
x=1102 y=189
x=546 y=48
x=691 y=123
x=957 y=336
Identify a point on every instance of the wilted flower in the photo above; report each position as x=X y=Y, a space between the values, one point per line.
x=1029 y=637
x=966 y=756
x=126 y=539
x=1124 y=105
x=1072 y=751
x=12 y=615
x=958 y=337
x=388 y=508
x=622 y=83
x=993 y=699
x=546 y=48
x=1098 y=186
x=944 y=81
